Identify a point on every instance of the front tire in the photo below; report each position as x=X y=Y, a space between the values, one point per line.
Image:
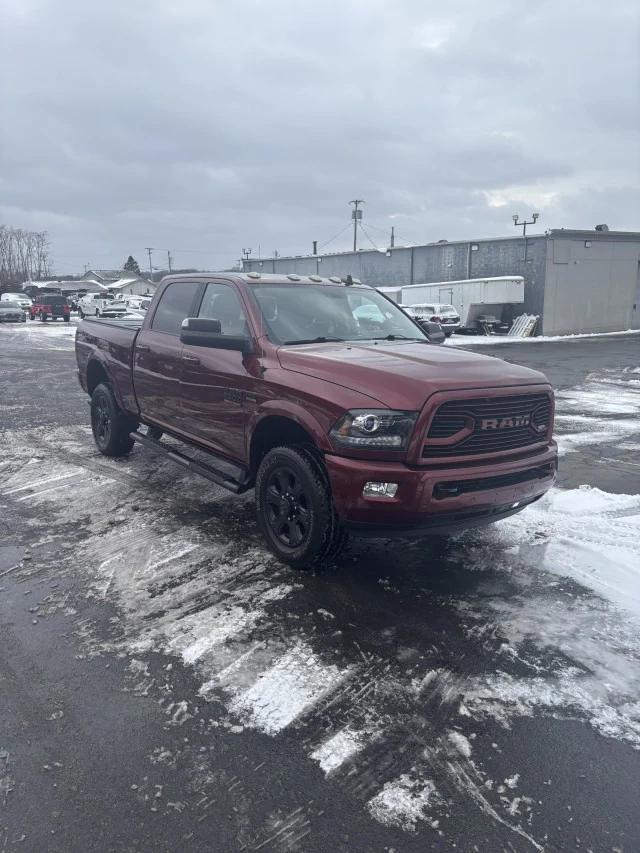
x=295 y=508
x=110 y=425
x=66 y=318
x=81 y=312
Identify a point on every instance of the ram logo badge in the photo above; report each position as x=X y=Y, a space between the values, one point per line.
x=505 y=423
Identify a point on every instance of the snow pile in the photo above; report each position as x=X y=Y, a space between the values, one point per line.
x=405 y=801
x=340 y=748
x=586 y=534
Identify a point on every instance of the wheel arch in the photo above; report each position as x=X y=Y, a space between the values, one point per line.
x=276 y=428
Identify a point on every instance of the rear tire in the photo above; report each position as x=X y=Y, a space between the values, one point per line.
x=43 y=317
x=110 y=425
x=81 y=312
x=66 y=318
x=295 y=508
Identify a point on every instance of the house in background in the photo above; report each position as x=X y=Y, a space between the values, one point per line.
x=106 y=277
x=130 y=285
x=121 y=282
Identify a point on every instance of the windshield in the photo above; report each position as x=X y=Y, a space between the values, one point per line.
x=315 y=312
x=447 y=309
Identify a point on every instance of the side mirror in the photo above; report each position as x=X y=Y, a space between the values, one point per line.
x=201 y=332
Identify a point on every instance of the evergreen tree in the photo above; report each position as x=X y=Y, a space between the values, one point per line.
x=131 y=265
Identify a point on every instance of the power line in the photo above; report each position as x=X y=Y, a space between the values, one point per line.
x=398 y=236
x=362 y=228
x=335 y=237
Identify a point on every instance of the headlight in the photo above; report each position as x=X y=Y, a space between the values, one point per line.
x=373 y=428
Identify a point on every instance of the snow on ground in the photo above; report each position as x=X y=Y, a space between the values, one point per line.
x=185 y=587
x=404 y=801
x=54 y=334
x=475 y=340
x=599 y=411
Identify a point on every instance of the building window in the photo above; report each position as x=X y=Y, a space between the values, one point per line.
x=474 y=247
x=587 y=244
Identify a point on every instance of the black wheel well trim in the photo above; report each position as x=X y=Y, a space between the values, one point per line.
x=277 y=431
x=96 y=373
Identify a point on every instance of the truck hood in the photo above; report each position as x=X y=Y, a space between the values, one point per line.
x=403 y=375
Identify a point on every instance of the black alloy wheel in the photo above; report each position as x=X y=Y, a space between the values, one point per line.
x=288 y=513
x=101 y=421
x=295 y=507
x=111 y=427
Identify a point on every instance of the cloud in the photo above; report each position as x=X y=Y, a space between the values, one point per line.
x=207 y=127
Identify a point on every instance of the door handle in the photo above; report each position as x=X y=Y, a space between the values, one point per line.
x=192 y=359
x=142 y=348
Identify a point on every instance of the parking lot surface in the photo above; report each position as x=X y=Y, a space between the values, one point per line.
x=166 y=684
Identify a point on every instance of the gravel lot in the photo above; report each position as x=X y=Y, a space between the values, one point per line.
x=166 y=685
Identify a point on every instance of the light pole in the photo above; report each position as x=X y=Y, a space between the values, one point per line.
x=356 y=215
x=524 y=223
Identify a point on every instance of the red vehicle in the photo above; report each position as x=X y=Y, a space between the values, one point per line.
x=50 y=306
x=341 y=419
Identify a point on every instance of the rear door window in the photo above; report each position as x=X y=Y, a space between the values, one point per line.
x=176 y=304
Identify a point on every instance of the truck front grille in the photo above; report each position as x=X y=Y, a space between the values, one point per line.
x=488 y=425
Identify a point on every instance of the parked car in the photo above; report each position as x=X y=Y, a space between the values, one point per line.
x=11 y=312
x=100 y=305
x=337 y=426
x=445 y=315
x=20 y=298
x=50 y=306
x=138 y=303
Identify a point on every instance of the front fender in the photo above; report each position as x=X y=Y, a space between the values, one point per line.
x=294 y=412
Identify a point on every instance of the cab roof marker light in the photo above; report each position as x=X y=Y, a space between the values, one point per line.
x=335 y=279
x=253 y=274
x=293 y=277
x=315 y=278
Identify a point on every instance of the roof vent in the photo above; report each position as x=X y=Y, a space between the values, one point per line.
x=293 y=277
x=603 y=227
x=315 y=278
x=253 y=275
x=335 y=279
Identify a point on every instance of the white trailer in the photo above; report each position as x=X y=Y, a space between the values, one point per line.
x=472 y=298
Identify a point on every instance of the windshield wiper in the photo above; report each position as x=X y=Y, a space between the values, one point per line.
x=395 y=338
x=322 y=339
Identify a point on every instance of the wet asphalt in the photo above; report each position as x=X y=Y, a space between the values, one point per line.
x=92 y=757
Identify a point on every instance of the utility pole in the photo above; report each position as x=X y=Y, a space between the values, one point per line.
x=315 y=247
x=524 y=223
x=169 y=260
x=393 y=237
x=246 y=253
x=149 y=249
x=356 y=215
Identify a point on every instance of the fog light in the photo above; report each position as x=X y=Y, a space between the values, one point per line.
x=380 y=490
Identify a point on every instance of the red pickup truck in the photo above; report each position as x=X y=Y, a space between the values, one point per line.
x=328 y=399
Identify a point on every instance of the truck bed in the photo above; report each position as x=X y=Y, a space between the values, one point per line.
x=111 y=343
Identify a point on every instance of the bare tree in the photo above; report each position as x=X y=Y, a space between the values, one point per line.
x=24 y=255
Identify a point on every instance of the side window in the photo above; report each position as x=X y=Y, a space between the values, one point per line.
x=175 y=304
x=221 y=302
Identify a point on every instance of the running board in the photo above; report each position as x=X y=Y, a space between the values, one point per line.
x=208 y=471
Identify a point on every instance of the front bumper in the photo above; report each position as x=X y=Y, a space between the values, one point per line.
x=438 y=500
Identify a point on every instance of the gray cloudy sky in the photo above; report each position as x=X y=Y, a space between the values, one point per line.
x=203 y=126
